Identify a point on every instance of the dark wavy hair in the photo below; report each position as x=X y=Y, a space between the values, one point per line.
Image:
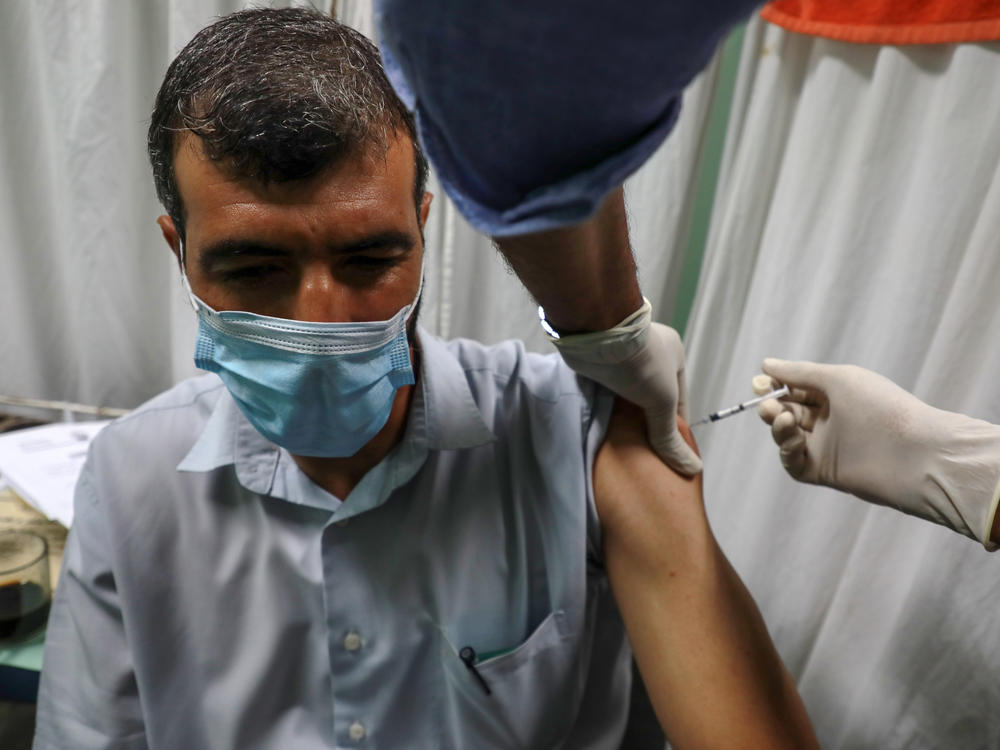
x=275 y=96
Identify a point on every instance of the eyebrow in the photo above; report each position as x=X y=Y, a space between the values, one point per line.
x=225 y=250
x=231 y=249
x=379 y=241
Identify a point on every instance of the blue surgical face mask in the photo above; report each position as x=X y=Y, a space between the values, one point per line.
x=315 y=389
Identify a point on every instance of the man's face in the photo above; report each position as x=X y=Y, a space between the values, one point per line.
x=342 y=246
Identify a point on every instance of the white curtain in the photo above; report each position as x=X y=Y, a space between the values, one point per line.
x=856 y=221
x=90 y=303
x=90 y=306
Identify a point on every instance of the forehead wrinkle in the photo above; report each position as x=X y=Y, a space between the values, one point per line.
x=373 y=192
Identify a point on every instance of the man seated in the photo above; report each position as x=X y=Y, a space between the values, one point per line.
x=351 y=533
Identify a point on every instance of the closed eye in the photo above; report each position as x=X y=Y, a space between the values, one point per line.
x=252 y=275
x=373 y=261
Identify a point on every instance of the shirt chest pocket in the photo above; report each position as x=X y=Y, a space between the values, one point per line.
x=523 y=698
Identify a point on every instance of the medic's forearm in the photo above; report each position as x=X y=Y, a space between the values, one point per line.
x=583 y=275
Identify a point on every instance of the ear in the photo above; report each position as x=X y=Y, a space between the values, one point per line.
x=425 y=207
x=170 y=235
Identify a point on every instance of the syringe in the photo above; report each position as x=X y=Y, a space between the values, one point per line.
x=723 y=413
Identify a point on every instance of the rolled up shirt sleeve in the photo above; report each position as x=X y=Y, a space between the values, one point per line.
x=533 y=112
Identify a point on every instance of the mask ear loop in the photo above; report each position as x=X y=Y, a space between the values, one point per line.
x=185 y=283
x=420 y=289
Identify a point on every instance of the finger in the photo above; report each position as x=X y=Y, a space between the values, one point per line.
x=670 y=446
x=794 y=460
x=682 y=402
x=764 y=384
x=685 y=430
x=769 y=410
x=807 y=396
x=792 y=444
x=805 y=375
x=784 y=428
x=806 y=416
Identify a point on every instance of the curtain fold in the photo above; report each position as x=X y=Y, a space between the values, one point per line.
x=88 y=293
x=856 y=222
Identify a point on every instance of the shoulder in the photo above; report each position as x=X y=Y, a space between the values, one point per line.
x=524 y=395
x=509 y=367
x=166 y=426
x=130 y=479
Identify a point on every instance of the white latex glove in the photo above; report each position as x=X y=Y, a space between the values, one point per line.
x=642 y=362
x=851 y=429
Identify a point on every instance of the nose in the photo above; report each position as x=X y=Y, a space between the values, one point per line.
x=319 y=298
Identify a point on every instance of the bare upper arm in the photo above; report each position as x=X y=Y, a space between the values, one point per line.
x=639 y=500
x=711 y=671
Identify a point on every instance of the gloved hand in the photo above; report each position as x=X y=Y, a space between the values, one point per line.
x=851 y=429
x=643 y=362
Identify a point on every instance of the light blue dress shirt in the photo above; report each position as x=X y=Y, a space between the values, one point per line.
x=212 y=596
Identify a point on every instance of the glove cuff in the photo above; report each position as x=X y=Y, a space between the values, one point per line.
x=612 y=346
x=961 y=487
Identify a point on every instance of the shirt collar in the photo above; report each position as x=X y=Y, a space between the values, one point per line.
x=228 y=438
x=443 y=416
x=452 y=417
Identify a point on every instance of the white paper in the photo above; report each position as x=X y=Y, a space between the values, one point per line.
x=42 y=464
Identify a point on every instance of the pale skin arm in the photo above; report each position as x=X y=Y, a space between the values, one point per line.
x=711 y=671
x=583 y=275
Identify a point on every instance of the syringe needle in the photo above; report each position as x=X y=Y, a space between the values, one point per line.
x=728 y=412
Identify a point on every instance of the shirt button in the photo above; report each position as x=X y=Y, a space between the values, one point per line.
x=356 y=731
x=352 y=641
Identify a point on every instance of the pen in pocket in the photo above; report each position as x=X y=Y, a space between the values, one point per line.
x=468 y=657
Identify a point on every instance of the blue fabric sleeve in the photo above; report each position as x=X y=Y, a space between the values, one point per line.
x=533 y=111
